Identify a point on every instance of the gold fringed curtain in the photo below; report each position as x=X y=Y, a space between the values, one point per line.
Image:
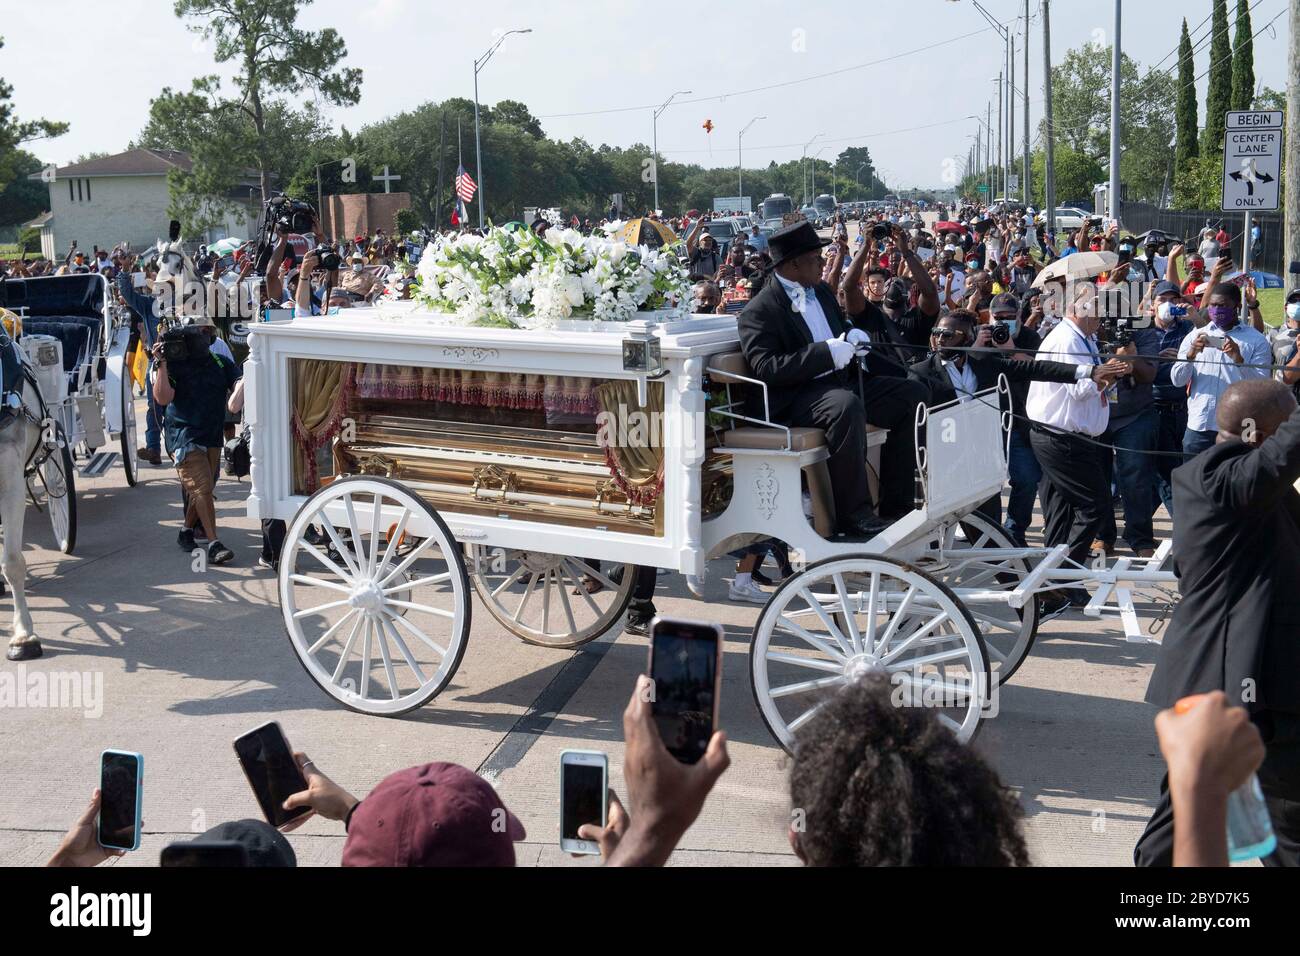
x=321 y=390
x=633 y=447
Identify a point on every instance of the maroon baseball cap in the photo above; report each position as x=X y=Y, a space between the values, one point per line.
x=436 y=814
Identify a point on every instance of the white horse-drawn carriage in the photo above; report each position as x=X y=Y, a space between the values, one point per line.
x=417 y=463
x=75 y=338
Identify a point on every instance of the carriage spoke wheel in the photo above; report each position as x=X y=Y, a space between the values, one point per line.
x=60 y=493
x=544 y=598
x=130 y=451
x=841 y=619
x=379 y=611
x=965 y=563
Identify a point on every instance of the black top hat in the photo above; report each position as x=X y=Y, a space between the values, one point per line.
x=794 y=240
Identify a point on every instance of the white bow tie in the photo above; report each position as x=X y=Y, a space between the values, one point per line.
x=798 y=298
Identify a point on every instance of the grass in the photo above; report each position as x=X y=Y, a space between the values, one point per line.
x=1272 y=305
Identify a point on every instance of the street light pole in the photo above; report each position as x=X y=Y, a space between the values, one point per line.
x=1113 y=205
x=856 y=181
x=740 y=174
x=654 y=137
x=478 y=153
x=803 y=164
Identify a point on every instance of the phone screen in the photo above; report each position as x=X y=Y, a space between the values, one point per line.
x=584 y=797
x=684 y=668
x=198 y=853
x=272 y=772
x=119 y=785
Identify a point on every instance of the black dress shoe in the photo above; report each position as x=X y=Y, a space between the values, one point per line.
x=639 y=616
x=862 y=527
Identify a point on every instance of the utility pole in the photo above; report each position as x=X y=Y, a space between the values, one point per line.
x=1002 y=129
x=988 y=147
x=1049 y=168
x=1115 y=55
x=1024 y=181
x=1291 y=169
x=1011 y=107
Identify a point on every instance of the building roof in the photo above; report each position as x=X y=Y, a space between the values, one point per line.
x=134 y=162
x=39 y=221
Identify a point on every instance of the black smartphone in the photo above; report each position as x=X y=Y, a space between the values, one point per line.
x=274 y=775
x=121 y=783
x=686 y=670
x=205 y=853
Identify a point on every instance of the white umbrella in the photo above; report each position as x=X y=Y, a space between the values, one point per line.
x=1079 y=265
x=224 y=247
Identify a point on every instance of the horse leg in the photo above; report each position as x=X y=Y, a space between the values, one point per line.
x=23 y=646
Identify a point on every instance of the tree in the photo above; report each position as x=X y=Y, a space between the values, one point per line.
x=271 y=55
x=1076 y=173
x=24 y=198
x=1243 y=60
x=14 y=133
x=515 y=113
x=1185 y=103
x=1219 y=95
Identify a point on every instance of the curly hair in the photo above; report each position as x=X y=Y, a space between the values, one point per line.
x=886 y=785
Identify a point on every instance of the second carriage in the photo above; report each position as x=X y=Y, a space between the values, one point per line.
x=417 y=462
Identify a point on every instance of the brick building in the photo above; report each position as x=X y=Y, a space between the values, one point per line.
x=360 y=214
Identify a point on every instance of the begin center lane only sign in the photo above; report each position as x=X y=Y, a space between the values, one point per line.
x=1252 y=160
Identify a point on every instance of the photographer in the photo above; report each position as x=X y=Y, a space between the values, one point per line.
x=192 y=381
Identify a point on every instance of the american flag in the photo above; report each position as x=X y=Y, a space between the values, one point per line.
x=465 y=185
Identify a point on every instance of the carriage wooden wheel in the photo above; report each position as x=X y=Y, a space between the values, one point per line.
x=379 y=612
x=550 y=599
x=843 y=618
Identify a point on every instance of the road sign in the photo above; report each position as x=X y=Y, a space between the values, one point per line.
x=982 y=187
x=1252 y=160
x=1013 y=182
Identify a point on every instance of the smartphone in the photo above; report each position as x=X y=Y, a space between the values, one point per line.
x=138 y=280
x=274 y=775
x=686 y=668
x=121 y=781
x=205 y=853
x=584 y=797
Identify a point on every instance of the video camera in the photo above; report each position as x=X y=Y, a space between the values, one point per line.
x=281 y=214
x=180 y=343
x=327 y=256
x=1119 y=330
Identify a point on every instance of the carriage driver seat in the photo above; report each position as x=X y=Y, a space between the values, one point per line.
x=803 y=443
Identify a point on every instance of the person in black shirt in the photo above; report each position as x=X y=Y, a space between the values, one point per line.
x=195 y=389
x=702 y=255
x=902 y=333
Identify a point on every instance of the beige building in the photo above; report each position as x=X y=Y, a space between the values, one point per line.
x=124 y=198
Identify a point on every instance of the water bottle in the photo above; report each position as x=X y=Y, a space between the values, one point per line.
x=1250 y=831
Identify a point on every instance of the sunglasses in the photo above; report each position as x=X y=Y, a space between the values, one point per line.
x=944 y=334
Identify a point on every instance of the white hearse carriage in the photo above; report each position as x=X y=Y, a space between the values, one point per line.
x=416 y=462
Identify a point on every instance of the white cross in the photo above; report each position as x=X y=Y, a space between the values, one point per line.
x=387 y=179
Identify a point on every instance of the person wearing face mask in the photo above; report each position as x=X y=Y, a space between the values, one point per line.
x=899 y=331
x=1290 y=335
x=1212 y=358
x=1172 y=318
x=356 y=280
x=1065 y=424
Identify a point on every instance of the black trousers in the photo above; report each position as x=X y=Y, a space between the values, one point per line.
x=1075 y=490
x=1279 y=779
x=832 y=404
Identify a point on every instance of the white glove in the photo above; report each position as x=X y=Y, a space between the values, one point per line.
x=841 y=352
x=858 y=338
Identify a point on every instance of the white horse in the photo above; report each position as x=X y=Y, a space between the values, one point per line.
x=21 y=435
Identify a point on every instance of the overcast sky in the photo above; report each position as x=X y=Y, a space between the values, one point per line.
x=606 y=56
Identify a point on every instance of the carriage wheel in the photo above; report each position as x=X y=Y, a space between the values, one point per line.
x=843 y=618
x=60 y=493
x=379 y=614
x=1008 y=632
x=541 y=598
x=130 y=462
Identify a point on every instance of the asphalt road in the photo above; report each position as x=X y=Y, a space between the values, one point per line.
x=190 y=660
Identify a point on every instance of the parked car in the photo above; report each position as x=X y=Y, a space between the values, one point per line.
x=723 y=231
x=1071 y=217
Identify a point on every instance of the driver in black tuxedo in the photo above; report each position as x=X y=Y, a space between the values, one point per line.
x=796 y=339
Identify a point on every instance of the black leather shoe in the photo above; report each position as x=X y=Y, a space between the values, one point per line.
x=639 y=617
x=862 y=527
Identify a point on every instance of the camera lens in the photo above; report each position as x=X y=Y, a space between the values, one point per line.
x=1001 y=334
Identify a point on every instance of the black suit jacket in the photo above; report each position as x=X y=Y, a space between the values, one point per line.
x=1237 y=555
x=987 y=368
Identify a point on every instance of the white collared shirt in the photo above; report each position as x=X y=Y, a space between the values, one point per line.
x=1080 y=407
x=963 y=379
x=804 y=301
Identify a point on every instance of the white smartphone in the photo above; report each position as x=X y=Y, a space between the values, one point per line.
x=138 y=280
x=584 y=797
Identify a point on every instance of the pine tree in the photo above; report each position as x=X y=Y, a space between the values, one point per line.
x=1243 y=60
x=1185 y=101
x=1219 y=96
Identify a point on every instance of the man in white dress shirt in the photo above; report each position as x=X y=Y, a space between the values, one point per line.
x=1065 y=422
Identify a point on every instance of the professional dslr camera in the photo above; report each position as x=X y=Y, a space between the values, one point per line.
x=328 y=257
x=1119 y=330
x=1000 y=333
x=281 y=214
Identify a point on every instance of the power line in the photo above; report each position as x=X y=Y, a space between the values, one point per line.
x=776 y=86
x=842 y=139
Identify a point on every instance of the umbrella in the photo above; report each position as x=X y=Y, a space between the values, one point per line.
x=646 y=232
x=1080 y=265
x=1267 y=280
x=1157 y=236
x=224 y=247
x=949 y=226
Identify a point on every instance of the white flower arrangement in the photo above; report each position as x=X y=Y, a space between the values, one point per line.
x=518 y=279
